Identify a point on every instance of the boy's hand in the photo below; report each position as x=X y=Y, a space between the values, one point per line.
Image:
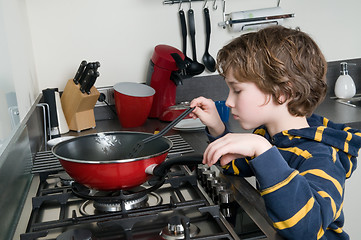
x=207 y=112
x=235 y=145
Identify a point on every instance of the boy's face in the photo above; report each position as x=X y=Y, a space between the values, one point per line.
x=249 y=105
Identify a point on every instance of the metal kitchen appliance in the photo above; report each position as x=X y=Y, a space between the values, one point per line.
x=165 y=73
x=253 y=19
x=191 y=204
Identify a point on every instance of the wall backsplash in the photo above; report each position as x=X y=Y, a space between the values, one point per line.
x=214 y=86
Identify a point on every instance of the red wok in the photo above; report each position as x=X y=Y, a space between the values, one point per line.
x=100 y=161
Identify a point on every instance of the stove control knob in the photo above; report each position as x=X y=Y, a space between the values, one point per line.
x=225 y=196
x=211 y=181
x=207 y=174
x=200 y=169
x=227 y=205
x=216 y=189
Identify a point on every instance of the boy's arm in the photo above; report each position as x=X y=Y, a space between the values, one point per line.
x=239 y=166
x=301 y=203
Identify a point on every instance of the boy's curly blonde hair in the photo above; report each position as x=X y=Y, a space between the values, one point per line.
x=281 y=62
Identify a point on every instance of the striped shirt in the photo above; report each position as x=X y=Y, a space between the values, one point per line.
x=302 y=177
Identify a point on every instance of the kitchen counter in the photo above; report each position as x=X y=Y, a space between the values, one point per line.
x=340 y=113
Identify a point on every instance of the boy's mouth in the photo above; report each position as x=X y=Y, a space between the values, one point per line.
x=235 y=116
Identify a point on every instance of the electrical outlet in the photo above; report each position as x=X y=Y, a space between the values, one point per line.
x=109 y=96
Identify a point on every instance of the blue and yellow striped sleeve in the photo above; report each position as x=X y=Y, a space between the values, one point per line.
x=238 y=167
x=302 y=203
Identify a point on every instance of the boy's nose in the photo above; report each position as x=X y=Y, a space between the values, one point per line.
x=228 y=102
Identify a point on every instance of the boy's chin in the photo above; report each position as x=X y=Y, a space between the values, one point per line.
x=246 y=126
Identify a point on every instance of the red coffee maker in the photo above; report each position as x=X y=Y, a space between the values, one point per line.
x=165 y=73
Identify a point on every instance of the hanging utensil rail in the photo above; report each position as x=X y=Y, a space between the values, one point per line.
x=180 y=1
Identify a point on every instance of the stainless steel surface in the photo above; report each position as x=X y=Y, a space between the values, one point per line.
x=246 y=20
x=15 y=162
x=252 y=203
x=180 y=1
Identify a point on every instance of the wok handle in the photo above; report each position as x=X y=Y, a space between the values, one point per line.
x=189 y=159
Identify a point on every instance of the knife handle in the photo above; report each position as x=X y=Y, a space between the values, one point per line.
x=88 y=67
x=96 y=65
x=87 y=80
x=80 y=71
x=91 y=82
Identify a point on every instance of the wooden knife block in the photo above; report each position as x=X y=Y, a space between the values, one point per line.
x=78 y=107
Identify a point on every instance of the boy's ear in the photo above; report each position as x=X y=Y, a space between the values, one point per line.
x=282 y=99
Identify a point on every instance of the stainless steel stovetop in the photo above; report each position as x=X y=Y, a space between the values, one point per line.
x=186 y=206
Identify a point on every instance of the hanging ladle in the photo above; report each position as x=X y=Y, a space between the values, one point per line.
x=195 y=67
x=208 y=60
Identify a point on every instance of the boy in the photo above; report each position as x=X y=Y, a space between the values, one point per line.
x=276 y=78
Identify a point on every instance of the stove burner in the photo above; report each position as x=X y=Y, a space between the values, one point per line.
x=152 y=198
x=179 y=227
x=75 y=234
x=113 y=196
x=115 y=207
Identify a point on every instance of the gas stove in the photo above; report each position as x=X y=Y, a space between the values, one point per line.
x=191 y=203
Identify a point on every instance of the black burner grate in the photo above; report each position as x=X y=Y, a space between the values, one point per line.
x=125 y=222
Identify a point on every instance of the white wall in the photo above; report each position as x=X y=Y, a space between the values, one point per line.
x=122 y=34
x=19 y=57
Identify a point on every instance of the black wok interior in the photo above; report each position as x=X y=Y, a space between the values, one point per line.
x=109 y=146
